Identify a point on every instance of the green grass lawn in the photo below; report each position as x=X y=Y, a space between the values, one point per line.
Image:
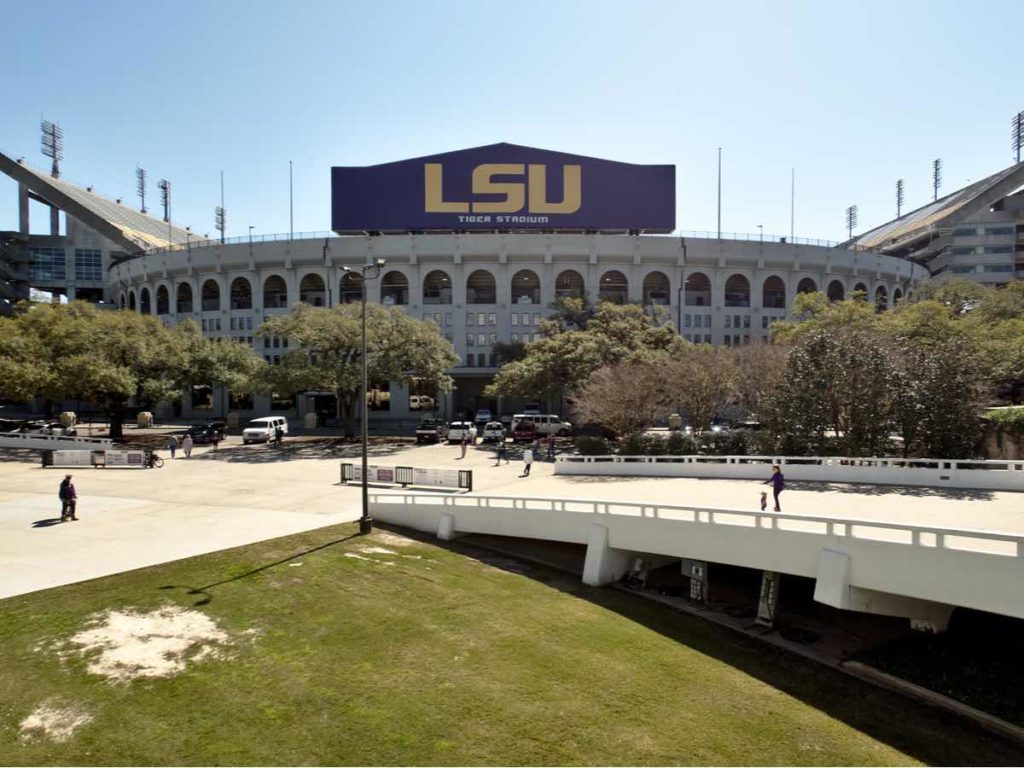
x=441 y=657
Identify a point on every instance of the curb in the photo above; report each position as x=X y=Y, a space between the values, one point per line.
x=926 y=695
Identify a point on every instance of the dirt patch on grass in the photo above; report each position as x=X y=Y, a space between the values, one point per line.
x=126 y=645
x=393 y=539
x=54 y=721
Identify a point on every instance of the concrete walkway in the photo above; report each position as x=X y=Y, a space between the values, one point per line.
x=239 y=495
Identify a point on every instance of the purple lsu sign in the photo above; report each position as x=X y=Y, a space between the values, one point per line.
x=503 y=186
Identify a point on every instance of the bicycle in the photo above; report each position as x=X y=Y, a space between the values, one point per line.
x=155 y=461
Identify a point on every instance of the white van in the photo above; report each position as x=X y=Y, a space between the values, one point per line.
x=543 y=424
x=262 y=430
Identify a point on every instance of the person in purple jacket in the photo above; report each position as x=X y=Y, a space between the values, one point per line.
x=778 y=485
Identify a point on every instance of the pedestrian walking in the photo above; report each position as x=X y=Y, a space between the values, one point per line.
x=502 y=453
x=214 y=439
x=172 y=444
x=186 y=446
x=68 y=500
x=527 y=461
x=551 y=447
x=778 y=483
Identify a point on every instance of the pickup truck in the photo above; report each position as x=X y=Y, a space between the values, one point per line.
x=431 y=431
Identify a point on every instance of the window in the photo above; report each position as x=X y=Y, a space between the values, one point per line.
x=202 y=397
x=480 y=288
x=481 y=339
x=965 y=232
x=232 y=323
x=515 y=318
x=470 y=339
x=698 y=290
x=470 y=360
x=1001 y=249
x=515 y=338
x=765 y=321
x=394 y=289
x=481 y=318
x=737 y=291
x=536 y=318
x=697 y=320
x=248 y=323
x=471 y=318
x=998 y=230
x=47 y=264
x=493 y=338
x=568 y=283
x=378 y=397
x=707 y=338
x=999 y=268
x=492 y=318
x=447 y=318
x=962 y=250
x=656 y=289
x=241 y=294
x=614 y=287
x=88 y=264
x=746 y=321
x=437 y=288
x=728 y=321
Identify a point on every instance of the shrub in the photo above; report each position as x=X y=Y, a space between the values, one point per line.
x=655 y=445
x=728 y=442
x=633 y=445
x=682 y=444
x=589 y=445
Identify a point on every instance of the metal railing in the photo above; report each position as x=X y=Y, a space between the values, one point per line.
x=199 y=244
x=930 y=537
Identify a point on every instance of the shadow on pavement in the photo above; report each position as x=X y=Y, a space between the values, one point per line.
x=20 y=455
x=204 y=590
x=289 y=451
x=889 y=717
x=47 y=522
x=959 y=494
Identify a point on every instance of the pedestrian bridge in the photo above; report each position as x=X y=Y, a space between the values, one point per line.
x=34 y=441
x=896 y=569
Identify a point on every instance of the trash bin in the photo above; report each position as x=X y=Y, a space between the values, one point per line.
x=144 y=420
x=68 y=419
x=309 y=421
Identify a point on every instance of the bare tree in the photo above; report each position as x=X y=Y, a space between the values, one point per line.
x=700 y=378
x=760 y=368
x=626 y=397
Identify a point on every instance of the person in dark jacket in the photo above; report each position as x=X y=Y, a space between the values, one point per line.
x=68 y=500
x=778 y=483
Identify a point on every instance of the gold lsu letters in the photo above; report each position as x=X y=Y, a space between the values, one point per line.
x=515 y=192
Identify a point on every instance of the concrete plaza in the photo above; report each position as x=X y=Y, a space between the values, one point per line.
x=241 y=494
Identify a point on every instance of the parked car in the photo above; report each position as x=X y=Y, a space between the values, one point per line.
x=483 y=415
x=421 y=403
x=47 y=428
x=203 y=433
x=544 y=424
x=494 y=432
x=432 y=431
x=523 y=429
x=262 y=430
x=457 y=429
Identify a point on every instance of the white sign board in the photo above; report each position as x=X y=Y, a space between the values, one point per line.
x=447 y=478
x=125 y=458
x=72 y=458
x=438 y=478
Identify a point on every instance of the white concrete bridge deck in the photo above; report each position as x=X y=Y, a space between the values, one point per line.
x=136 y=519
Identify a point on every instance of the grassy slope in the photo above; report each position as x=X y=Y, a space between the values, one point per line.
x=445 y=660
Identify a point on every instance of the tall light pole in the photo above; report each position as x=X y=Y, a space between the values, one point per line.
x=366 y=522
x=251 y=228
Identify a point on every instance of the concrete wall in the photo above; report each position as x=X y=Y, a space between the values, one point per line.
x=975 y=569
x=932 y=473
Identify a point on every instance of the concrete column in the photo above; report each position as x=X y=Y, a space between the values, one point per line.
x=23 y=218
x=603 y=565
x=54 y=221
x=446 y=527
x=769 y=599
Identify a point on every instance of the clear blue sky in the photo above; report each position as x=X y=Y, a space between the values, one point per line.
x=852 y=95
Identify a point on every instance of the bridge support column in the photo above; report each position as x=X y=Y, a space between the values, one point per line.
x=603 y=564
x=833 y=588
x=769 y=599
x=446 y=527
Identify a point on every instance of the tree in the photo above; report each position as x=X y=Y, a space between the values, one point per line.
x=74 y=351
x=700 y=378
x=838 y=387
x=209 y=361
x=759 y=370
x=325 y=352
x=565 y=356
x=627 y=397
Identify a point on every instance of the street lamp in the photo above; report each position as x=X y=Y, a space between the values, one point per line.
x=679 y=306
x=760 y=231
x=366 y=522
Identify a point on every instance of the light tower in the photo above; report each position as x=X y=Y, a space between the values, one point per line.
x=851 y=220
x=140 y=185
x=53 y=145
x=936 y=177
x=899 y=197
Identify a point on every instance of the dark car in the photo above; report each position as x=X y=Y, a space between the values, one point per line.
x=203 y=433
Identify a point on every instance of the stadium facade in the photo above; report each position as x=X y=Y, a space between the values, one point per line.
x=482 y=242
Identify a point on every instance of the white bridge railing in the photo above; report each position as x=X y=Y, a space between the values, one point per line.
x=35 y=441
x=951 y=473
x=958 y=566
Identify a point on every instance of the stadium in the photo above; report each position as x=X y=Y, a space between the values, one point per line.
x=482 y=242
